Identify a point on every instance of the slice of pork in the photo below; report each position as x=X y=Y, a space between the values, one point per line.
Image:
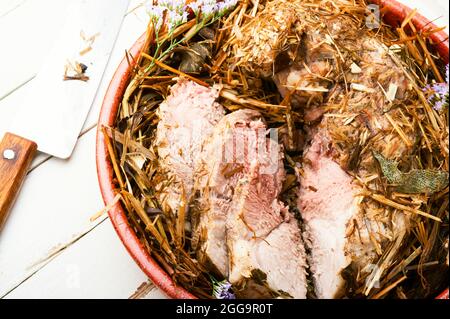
x=241 y=223
x=222 y=164
x=344 y=230
x=341 y=230
x=266 y=252
x=327 y=202
x=188 y=114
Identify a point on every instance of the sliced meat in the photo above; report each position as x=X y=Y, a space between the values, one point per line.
x=223 y=163
x=345 y=230
x=342 y=228
x=240 y=222
x=188 y=114
x=350 y=91
x=266 y=252
x=327 y=202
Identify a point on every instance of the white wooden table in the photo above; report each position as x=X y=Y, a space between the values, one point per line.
x=49 y=248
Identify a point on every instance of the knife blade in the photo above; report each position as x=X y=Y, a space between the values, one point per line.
x=54 y=111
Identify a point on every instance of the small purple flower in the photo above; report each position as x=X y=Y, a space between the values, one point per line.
x=440 y=92
x=174 y=5
x=225 y=6
x=176 y=11
x=195 y=6
x=175 y=19
x=221 y=290
x=209 y=9
x=156 y=14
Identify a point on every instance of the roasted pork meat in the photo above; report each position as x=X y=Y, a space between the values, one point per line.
x=343 y=228
x=220 y=167
x=266 y=251
x=350 y=90
x=245 y=233
x=188 y=114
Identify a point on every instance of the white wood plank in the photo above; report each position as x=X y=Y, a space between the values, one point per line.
x=59 y=196
x=147 y=290
x=54 y=206
x=8 y=6
x=26 y=34
x=96 y=266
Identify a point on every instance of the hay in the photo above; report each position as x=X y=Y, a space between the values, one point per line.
x=247 y=45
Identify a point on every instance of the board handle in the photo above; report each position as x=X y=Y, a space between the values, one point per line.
x=16 y=154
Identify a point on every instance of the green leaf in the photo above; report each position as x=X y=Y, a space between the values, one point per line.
x=413 y=182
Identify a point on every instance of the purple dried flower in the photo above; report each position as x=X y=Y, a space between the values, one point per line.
x=174 y=19
x=225 y=6
x=174 y=5
x=209 y=9
x=221 y=290
x=438 y=105
x=441 y=89
x=440 y=92
x=156 y=14
x=195 y=6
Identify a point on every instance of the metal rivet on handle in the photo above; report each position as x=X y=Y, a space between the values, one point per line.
x=9 y=154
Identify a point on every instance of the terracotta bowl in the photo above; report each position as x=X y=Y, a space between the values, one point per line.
x=394 y=13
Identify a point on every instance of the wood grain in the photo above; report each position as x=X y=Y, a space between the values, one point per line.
x=95 y=266
x=47 y=18
x=16 y=154
x=65 y=194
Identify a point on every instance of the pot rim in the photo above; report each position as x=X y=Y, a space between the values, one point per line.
x=396 y=12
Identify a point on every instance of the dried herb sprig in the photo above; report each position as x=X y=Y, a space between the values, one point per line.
x=415 y=181
x=168 y=15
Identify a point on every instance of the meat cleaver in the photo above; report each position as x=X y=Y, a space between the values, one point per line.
x=54 y=111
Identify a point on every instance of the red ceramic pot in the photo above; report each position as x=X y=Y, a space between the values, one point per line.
x=394 y=13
